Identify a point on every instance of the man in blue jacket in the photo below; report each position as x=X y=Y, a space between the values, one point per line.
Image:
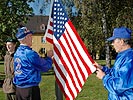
x=27 y=66
x=118 y=80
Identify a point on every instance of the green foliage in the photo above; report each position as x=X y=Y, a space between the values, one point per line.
x=11 y=14
x=89 y=25
x=95 y=20
x=91 y=14
x=125 y=17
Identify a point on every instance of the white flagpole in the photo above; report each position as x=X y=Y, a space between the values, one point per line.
x=46 y=32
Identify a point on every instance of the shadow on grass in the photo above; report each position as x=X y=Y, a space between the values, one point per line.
x=2 y=77
x=1 y=82
x=1 y=62
x=50 y=72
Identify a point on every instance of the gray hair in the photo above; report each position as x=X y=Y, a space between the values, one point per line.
x=128 y=41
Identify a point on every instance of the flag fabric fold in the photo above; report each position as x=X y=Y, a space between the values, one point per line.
x=73 y=64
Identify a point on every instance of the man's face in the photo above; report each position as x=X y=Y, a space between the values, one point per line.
x=29 y=39
x=117 y=43
x=10 y=46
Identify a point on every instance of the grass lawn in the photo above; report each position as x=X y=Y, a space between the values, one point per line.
x=92 y=90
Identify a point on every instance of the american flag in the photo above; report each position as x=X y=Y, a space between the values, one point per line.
x=73 y=63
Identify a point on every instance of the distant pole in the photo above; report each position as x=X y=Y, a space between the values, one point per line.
x=105 y=31
x=58 y=92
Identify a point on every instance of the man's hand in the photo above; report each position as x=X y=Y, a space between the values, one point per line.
x=50 y=53
x=100 y=73
x=97 y=65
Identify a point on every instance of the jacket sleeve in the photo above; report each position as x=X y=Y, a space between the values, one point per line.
x=106 y=69
x=38 y=62
x=119 y=79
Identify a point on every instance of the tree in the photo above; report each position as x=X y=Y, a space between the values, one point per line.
x=99 y=17
x=95 y=20
x=11 y=14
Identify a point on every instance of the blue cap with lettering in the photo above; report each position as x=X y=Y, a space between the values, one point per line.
x=22 y=33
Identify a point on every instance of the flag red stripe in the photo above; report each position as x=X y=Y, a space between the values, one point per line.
x=50 y=32
x=73 y=63
x=86 y=66
x=49 y=40
x=84 y=63
x=61 y=87
x=68 y=57
x=57 y=80
x=65 y=66
x=80 y=40
x=79 y=68
x=51 y=23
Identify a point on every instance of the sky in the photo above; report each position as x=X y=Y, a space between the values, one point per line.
x=37 y=5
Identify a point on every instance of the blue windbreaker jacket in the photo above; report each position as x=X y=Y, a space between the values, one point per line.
x=119 y=79
x=27 y=66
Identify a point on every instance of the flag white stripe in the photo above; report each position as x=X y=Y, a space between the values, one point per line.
x=63 y=83
x=49 y=27
x=50 y=36
x=73 y=60
x=68 y=64
x=66 y=75
x=78 y=59
x=50 y=20
x=72 y=65
x=87 y=60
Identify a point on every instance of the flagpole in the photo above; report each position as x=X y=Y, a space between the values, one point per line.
x=58 y=92
x=45 y=35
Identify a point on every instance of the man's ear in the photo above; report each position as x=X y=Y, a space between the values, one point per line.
x=122 y=42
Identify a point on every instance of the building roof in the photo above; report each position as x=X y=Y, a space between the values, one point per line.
x=37 y=24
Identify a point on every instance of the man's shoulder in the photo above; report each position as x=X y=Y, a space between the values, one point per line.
x=7 y=55
x=25 y=50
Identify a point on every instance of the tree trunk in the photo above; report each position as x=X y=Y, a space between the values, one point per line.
x=108 y=60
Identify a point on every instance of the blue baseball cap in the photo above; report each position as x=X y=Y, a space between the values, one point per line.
x=122 y=32
x=22 y=33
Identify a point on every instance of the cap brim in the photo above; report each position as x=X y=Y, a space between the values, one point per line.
x=111 y=38
x=30 y=32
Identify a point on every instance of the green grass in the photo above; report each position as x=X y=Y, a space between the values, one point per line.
x=102 y=62
x=92 y=90
x=2 y=70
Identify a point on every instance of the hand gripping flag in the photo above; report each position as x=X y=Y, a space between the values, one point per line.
x=73 y=63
